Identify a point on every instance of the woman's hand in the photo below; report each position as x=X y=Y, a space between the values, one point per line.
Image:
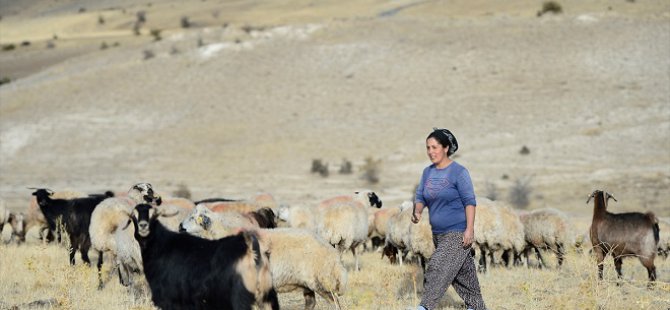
x=468 y=237
x=416 y=217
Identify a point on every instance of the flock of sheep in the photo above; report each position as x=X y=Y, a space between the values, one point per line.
x=149 y=240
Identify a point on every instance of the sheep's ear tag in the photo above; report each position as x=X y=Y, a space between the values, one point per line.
x=199 y=220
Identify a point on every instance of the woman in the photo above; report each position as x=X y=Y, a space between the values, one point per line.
x=446 y=190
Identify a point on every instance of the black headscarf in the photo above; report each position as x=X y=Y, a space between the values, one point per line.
x=446 y=138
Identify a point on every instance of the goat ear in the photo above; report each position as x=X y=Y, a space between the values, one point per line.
x=610 y=196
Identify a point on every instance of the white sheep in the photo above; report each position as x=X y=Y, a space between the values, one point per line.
x=178 y=207
x=319 y=268
x=112 y=235
x=344 y=225
x=546 y=229
x=298 y=216
x=404 y=236
x=497 y=230
x=664 y=237
x=208 y=224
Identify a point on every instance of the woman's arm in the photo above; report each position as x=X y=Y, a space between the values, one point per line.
x=416 y=215
x=469 y=235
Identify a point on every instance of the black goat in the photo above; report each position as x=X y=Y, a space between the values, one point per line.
x=187 y=272
x=623 y=234
x=75 y=217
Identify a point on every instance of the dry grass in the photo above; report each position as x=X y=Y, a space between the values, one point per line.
x=32 y=273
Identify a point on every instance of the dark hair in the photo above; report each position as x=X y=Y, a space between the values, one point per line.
x=445 y=138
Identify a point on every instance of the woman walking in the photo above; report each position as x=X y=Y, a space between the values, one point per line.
x=446 y=190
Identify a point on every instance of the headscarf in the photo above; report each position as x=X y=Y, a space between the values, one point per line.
x=446 y=138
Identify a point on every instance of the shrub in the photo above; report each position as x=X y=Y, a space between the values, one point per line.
x=103 y=45
x=182 y=191
x=148 y=54
x=51 y=45
x=156 y=33
x=101 y=20
x=550 y=7
x=491 y=190
x=5 y=80
x=524 y=150
x=8 y=47
x=346 y=167
x=185 y=23
x=319 y=167
x=520 y=192
x=371 y=170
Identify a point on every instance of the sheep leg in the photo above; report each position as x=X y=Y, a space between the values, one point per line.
x=539 y=257
x=84 y=246
x=74 y=245
x=310 y=299
x=353 y=251
x=482 y=260
x=100 y=283
x=560 y=254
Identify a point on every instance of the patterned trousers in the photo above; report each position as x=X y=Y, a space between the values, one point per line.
x=451 y=264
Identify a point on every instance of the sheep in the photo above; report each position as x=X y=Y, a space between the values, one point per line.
x=298 y=217
x=621 y=234
x=664 y=238
x=111 y=235
x=15 y=221
x=497 y=229
x=344 y=226
x=299 y=259
x=181 y=207
x=212 y=225
x=319 y=269
x=227 y=273
x=75 y=217
x=546 y=229
x=403 y=235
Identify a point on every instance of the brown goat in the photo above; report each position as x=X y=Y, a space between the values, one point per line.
x=623 y=234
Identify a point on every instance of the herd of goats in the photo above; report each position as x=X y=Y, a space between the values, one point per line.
x=156 y=241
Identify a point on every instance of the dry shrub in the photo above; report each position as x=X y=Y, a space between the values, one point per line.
x=550 y=7
x=182 y=191
x=346 y=167
x=371 y=170
x=519 y=195
x=319 y=167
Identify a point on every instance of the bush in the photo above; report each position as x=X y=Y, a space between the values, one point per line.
x=182 y=191
x=491 y=191
x=5 y=80
x=148 y=54
x=320 y=168
x=371 y=170
x=185 y=23
x=520 y=192
x=524 y=150
x=346 y=167
x=8 y=47
x=550 y=7
x=156 y=33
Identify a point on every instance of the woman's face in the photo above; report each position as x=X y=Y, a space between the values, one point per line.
x=436 y=152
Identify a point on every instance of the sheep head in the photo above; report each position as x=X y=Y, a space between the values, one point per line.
x=198 y=221
x=144 y=193
x=372 y=198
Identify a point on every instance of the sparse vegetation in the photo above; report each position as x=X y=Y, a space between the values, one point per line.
x=319 y=167
x=346 y=167
x=148 y=54
x=9 y=47
x=51 y=44
x=524 y=150
x=550 y=7
x=182 y=191
x=491 y=190
x=25 y=43
x=185 y=22
x=156 y=34
x=103 y=45
x=371 y=170
x=101 y=20
x=5 y=80
x=519 y=195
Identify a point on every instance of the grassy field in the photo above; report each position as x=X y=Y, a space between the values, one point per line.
x=38 y=277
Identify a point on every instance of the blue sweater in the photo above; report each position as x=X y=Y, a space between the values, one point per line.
x=446 y=192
